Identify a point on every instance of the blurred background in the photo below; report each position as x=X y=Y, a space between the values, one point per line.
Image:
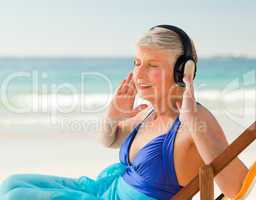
x=60 y=62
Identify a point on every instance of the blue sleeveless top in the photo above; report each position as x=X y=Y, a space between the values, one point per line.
x=152 y=171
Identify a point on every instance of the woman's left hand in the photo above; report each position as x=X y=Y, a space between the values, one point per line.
x=187 y=107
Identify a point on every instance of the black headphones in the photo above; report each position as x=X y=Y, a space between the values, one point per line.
x=183 y=59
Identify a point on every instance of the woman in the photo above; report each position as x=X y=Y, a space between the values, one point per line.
x=162 y=146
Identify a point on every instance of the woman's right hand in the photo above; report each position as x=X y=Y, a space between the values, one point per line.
x=121 y=106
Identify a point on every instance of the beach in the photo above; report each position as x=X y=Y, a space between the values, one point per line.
x=47 y=140
x=61 y=63
x=74 y=154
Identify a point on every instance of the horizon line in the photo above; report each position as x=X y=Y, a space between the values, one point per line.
x=77 y=56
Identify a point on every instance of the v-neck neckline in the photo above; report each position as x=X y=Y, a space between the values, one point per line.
x=130 y=163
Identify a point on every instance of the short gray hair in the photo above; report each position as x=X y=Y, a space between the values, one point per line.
x=163 y=38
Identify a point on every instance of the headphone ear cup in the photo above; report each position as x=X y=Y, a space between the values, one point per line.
x=178 y=72
x=183 y=63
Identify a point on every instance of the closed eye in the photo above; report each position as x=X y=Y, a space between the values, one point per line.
x=153 y=65
x=135 y=63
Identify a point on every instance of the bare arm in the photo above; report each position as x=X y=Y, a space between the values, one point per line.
x=124 y=127
x=107 y=132
x=123 y=130
x=119 y=114
x=210 y=141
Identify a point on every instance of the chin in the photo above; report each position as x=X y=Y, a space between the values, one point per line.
x=147 y=96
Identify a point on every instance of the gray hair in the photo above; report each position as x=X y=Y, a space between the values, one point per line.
x=163 y=38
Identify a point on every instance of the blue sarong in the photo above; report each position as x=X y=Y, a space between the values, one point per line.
x=108 y=185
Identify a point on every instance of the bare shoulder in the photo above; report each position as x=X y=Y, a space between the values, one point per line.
x=127 y=125
x=208 y=123
x=207 y=117
x=204 y=112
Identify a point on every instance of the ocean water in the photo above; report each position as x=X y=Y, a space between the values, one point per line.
x=40 y=91
x=212 y=73
x=51 y=107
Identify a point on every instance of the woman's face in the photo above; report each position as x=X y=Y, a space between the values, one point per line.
x=153 y=72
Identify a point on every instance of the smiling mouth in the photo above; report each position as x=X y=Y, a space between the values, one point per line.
x=144 y=87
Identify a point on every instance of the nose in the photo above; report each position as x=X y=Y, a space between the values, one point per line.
x=140 y=71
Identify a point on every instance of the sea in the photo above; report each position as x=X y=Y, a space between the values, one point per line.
x=51 y=109
x=42 y=90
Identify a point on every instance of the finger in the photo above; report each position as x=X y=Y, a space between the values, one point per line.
x=132 y=89
x=135 y=88
x=188 y=94
x=138 y=109
x=189 y=89
x=189 y=98
x=120 y=87
x=124 y=87
x=192 y=90
x=187 y=81
x=126 y=83
x=129 y=77
x=178 y=104
x=121 y=84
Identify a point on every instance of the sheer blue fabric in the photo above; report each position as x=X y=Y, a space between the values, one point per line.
x=108 y=185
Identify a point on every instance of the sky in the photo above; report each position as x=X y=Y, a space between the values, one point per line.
x=112 y=27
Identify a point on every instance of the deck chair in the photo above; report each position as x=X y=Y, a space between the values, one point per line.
x=221 y=161
x=247 y=187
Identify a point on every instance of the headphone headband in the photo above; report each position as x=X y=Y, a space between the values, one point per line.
x=185 y=40
x=183 y=59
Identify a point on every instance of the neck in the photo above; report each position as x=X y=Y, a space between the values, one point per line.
x=164 y=111
x=165 y=108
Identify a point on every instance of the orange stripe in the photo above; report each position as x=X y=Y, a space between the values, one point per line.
x=247 y=182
